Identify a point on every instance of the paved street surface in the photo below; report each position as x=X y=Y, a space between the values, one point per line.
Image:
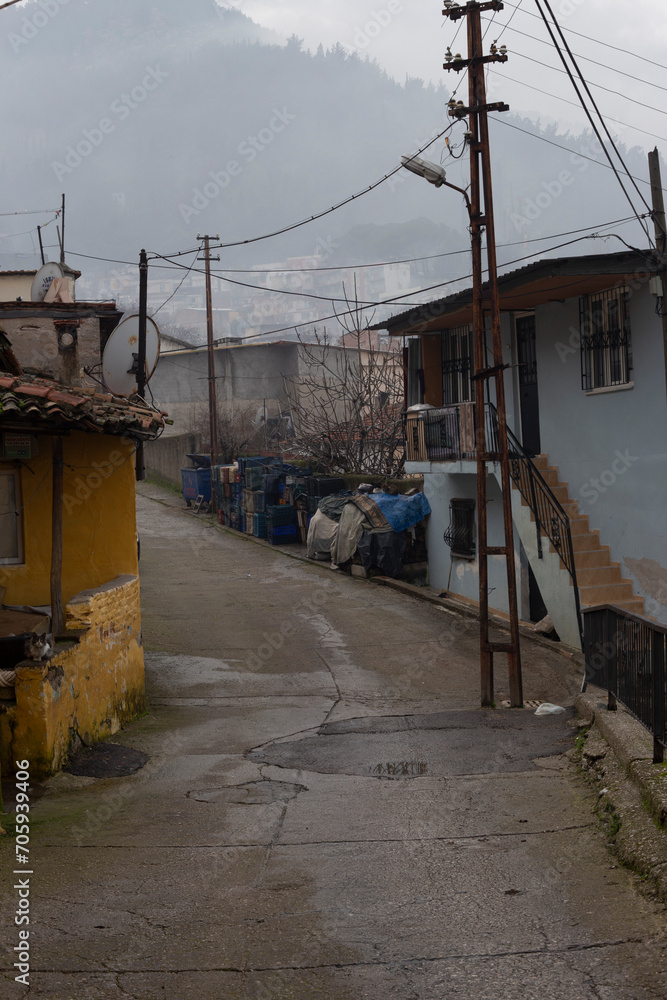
x=325 y=812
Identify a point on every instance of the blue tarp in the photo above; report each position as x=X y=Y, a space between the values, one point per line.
x=401 y=512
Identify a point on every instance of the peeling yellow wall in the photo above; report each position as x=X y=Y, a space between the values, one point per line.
x=89 y=689
x=99 y=519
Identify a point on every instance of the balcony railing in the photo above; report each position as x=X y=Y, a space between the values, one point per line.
x=626 y=654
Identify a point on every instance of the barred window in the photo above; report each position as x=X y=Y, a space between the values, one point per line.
x=458 y=361
x=606 y=348
x=460 y=535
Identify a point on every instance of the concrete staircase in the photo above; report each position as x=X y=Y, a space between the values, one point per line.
x=599 y=579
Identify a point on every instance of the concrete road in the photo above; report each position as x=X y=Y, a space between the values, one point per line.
x=325 y=812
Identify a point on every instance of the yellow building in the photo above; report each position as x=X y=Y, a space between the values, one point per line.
x=68 y=551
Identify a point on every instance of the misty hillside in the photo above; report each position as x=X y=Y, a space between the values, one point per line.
x=164 y=119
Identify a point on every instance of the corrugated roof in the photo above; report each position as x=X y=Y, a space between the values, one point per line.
x=27 y=399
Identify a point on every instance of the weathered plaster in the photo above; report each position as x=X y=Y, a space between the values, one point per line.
x=89 y=689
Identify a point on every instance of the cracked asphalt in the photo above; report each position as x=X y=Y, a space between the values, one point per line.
x=325 y=812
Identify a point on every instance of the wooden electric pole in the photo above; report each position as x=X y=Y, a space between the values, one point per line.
x=660 y=232
x=140 y=467
x=487 y=301
x=212 y=394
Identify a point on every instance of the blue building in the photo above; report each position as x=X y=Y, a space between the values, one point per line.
x=587 y=407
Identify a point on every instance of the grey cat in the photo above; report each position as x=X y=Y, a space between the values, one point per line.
x=39 y=647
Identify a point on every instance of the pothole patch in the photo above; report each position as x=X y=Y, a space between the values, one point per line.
x=439 y=745
x=105 y=760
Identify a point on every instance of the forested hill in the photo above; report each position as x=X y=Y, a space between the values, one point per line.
x=163 y=119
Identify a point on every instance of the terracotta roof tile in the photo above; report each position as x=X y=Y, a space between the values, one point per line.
x=45 y=401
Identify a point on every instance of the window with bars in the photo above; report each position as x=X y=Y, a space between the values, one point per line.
x=458 y=361
x=460 y=535
x=606 y=347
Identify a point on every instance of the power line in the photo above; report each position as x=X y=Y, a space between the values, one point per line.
x=612 y=69
x=589 y=38
x=574 y=104
x=396 y=299
x=573 y=60
x=598 y=86
x=567 y=149
x=334 y=208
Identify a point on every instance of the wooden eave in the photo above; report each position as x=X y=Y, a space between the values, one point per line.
x=532 y=286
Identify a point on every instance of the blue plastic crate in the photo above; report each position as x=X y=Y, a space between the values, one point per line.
x=284 y=534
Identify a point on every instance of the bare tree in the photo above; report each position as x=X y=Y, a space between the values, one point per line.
x=347 y=401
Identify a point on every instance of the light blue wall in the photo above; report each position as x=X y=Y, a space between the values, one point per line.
x=611 y=447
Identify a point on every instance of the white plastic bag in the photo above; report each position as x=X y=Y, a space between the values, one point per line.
x=546 y=708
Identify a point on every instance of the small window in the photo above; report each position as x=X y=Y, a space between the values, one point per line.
x=11 y=526
x=606 y=348
x=457 y=365
x=460 y=535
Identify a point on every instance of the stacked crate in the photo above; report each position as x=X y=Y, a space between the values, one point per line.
x=281 y=524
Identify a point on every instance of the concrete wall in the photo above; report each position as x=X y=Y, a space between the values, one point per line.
x=168 y=455
x=611 y=446
x=246 y=377
x=461 y=576
x=89 y=689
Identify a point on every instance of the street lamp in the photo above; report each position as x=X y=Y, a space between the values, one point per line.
x=433 y=173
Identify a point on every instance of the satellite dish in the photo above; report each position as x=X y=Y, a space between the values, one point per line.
x=262 y=415
x=119 y=358
x=43 y=279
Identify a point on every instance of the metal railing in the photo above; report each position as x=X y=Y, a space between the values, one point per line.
x=626 y=654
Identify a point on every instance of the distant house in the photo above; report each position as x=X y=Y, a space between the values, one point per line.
x=586 y=401
x=258 y=382
x=68 y=544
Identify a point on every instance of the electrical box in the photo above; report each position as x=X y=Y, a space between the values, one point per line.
x=655 y=286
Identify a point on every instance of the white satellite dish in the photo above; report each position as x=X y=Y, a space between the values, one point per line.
x=119 y=358
x=43 y=280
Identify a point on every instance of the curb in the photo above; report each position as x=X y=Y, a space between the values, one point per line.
x=470 y=611
x=632 y=797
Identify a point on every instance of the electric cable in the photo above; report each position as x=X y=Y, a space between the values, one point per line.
x=589 y=38
x=612 y=69
x=598 y=86
x=573 y=60
x=574 y=104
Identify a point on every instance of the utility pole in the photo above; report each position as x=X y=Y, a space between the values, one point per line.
x=487 y=301
x=212 y=394
x=660 y=232
x=141 y=353
x=62 y=241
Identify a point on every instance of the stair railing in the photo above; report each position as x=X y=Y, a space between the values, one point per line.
x=550 y=518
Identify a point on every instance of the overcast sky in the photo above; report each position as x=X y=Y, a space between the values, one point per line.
x=410 y=37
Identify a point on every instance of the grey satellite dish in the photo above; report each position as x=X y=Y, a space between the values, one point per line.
x=120 y=355
x=43 y=279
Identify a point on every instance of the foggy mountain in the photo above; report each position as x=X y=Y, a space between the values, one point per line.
x=163 y=119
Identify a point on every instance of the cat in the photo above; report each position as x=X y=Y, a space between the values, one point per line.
x=38 y=647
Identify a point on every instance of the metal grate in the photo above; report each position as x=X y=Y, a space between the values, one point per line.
x=606 y=347
x=457 y=365
x=460 y=535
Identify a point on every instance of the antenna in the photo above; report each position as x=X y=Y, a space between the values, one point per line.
x=120 y=357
